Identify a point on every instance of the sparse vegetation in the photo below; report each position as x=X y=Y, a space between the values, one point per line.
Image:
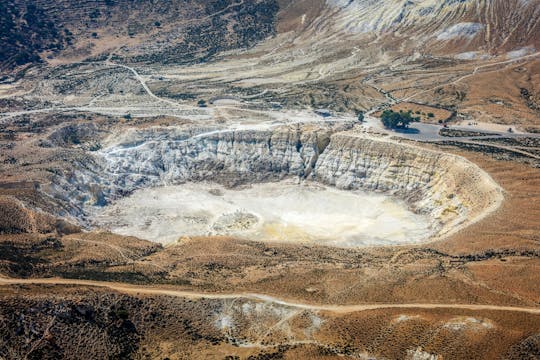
x=25 y=32
x=424 y=112
x=65 y=64
x=94 y=14
x=460 y=133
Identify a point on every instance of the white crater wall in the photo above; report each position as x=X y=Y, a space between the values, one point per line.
x=451 y=191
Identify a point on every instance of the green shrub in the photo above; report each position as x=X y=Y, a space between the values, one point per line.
x=395 y=120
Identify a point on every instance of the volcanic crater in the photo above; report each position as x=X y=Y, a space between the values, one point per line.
x=333 y=185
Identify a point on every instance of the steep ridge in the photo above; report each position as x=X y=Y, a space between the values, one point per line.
x=166 y=156
x=449 y=188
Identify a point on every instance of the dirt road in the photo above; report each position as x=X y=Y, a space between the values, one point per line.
x=151 y=290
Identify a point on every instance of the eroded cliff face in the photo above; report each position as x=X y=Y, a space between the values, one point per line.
x=229 y=157
x=140 y=158
x=451 y=190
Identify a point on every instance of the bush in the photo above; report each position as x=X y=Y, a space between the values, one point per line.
x=94 y=14
x=95 y=147
x=431 y=115
x=395 y=120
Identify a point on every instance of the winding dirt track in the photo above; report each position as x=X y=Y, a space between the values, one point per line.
x=149 y=290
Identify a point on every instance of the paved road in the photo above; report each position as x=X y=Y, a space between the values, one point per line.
x=154 y=290
x=430 y=132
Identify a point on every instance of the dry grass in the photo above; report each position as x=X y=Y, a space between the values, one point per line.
x=515 y=225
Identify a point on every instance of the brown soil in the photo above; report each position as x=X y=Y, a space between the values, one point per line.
x=149 y=326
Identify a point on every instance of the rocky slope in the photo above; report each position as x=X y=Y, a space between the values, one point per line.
x=466 y=23
x=181 y=32
x=450 y=189
x=163 y=31
x=25 y=32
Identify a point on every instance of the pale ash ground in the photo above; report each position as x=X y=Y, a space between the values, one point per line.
x=284 y=211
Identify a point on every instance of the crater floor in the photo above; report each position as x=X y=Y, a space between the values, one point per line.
x=282 y=211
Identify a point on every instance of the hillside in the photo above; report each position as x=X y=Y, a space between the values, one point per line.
x=218 y=179
x=26 y=32
x=184 y=31
x=176 y=31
